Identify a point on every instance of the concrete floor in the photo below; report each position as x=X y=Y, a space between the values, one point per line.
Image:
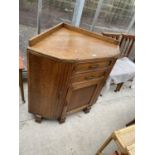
x=81 y=134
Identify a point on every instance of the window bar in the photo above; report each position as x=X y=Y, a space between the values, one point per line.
x=99 y=6
x=131 y=24
x=79 y=5
x=39 y=15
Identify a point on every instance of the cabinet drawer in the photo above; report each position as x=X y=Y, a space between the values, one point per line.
x=85 y=67
x=88 y=76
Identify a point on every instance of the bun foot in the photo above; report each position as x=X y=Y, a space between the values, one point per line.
x=86 y=110
x=38 y=118
x=62 y=120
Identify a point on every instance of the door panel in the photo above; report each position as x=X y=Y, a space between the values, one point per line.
x=81 y=94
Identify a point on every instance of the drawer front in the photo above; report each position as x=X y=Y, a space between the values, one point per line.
x=86 y=67
x=88 y=76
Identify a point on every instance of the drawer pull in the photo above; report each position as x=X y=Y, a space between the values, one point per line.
x=89 y=77
x=93 y=66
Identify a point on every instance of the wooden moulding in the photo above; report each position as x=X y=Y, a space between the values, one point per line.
x=77 y=109
x=42 y=35
x=31 y=50
x=92 y=34
x=37 y=53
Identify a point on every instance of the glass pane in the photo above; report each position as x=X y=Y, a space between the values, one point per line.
x=88 y=13
x=27 y=23
x=56 y=11
x=115 y=16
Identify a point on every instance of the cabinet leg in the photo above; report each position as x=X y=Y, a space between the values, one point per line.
x=86 y=110
x=63 y=115
x=38 y=118
x=62 y=120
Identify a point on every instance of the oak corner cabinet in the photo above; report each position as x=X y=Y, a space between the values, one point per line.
x=67 y=68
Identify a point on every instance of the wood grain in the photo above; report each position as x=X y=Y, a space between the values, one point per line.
x=47 y=80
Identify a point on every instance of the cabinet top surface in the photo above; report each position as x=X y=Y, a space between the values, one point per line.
x=70 y=43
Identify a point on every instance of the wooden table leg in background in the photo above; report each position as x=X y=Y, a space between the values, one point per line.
x=119 y=87
x=21 y=85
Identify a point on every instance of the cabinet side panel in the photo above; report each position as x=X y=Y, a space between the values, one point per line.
x=47 y=85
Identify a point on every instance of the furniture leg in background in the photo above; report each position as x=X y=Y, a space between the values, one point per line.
x=124 y=69
x=119 y=86
x=21 y=85
x=21 y=67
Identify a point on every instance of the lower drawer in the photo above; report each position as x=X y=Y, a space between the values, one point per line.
x=88 y=76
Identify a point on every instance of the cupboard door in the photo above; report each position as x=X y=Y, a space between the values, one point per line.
x=81 y=95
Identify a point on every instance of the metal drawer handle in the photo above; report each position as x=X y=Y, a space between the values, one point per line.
x=93 y=66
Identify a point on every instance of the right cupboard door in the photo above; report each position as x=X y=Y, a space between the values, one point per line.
x=82 y=94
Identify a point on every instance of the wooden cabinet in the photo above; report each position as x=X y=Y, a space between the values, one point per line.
x=67 y=68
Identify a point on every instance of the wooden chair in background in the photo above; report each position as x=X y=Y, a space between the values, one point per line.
x=21 y=67
x=126 y=44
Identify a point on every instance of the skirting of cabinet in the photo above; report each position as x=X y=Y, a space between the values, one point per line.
x=86 y=109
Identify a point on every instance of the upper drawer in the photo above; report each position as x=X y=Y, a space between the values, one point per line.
x=85 y=67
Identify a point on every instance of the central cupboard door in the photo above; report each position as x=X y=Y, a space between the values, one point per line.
x=81 y=94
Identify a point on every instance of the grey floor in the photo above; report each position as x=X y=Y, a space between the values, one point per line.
x=81 y=134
